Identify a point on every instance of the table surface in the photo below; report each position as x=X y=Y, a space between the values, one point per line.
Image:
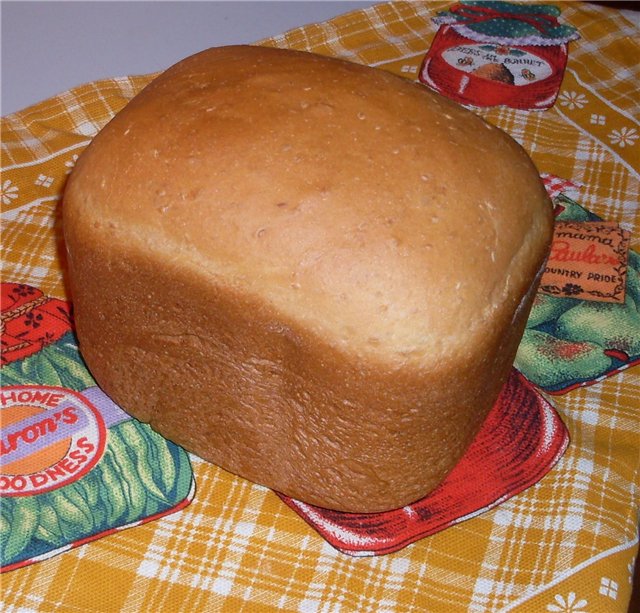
x=566 y=544
x=95 y=40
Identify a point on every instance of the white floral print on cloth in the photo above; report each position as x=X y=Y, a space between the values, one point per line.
x=9 y=191
x=602 y=585
x=567 y=604
x=573 y=100
x=624 y=137
x=613 y=127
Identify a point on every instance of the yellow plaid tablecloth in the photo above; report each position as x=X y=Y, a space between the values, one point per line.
x=567 y=544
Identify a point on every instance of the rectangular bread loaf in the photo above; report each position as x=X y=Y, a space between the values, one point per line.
x=311 y=273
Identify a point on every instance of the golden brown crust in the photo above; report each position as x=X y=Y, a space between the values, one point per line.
x=312 y=273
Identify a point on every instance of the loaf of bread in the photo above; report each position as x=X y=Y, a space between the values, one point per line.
x=312 y=273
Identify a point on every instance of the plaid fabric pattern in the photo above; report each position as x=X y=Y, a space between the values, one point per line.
x=566 y=544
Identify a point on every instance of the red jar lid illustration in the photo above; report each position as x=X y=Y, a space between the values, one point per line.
x=520 y=441
x=30 y=321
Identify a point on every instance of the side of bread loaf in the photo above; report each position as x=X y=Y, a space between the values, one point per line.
x=311 y=273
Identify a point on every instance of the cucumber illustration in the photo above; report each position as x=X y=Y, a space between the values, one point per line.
x=66 y=359
x=607 y=325
x=58 y=364
x=49 y=529
x=133 y=439
x=132 y=487
x=552 y=361
x=89 y=486
x=547 y=308
x=163 y=457
x=74 y=516
x=18 y=525
x=112 y=495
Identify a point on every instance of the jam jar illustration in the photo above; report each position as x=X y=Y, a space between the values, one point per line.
x=498 y=53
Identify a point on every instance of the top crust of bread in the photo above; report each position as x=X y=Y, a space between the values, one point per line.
x=312 y=273
x=388 y=219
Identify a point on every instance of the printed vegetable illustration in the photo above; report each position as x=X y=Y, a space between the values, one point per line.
x=615 y=327
x=548 y=308
x=555 y=360
x=74 y=466
x=57 y=364
x=570 y=342
x=113 y=494
x=19 y=522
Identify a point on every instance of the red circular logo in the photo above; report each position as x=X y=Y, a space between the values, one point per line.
x=50 y=436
